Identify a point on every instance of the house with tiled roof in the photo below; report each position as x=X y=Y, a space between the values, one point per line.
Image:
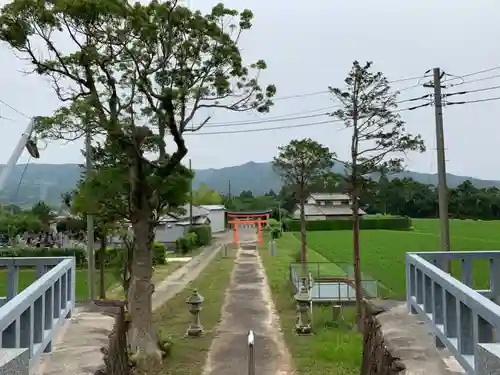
x=326 y=206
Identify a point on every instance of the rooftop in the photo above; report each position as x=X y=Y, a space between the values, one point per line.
x=213 y=207
x=329 y=196
x=314 y=210
x=243 y=213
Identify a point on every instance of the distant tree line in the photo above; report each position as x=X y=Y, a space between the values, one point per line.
x=405 y=197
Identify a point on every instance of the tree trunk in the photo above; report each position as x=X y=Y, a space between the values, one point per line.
x=357 y=266
x=303 y=239
x=102 y=260
x=143 y=339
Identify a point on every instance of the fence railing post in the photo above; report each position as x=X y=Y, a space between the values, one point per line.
x=251 y=353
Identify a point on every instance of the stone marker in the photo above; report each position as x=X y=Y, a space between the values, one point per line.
x=194 y=301
x=303 y=326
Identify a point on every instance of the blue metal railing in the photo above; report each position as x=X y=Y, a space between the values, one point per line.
x=462 y=319
x=29 y=319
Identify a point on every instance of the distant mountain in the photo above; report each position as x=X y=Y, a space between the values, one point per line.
x=260 y=177
x=28 y=184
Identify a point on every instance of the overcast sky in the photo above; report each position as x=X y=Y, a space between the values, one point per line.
x=309 y=46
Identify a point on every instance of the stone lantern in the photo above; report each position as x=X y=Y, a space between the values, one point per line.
x=194 y=301
x=303 y=326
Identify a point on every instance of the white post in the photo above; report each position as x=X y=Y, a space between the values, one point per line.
x=16 y=154
x=251 y=357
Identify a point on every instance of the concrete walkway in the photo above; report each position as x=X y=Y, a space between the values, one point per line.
x=248 y=306
x=77 y=347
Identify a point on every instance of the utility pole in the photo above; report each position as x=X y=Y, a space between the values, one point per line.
x=441 y=163
x=190 y=198
x=279 y=216
x=90 y=222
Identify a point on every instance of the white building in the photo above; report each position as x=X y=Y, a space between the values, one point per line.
x=325 y=206
x=173 y=226
x=217 y=216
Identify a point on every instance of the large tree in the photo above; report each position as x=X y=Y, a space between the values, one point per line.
x=378 y=143
x=104 y=194
x=138 y=74
x=300 y=164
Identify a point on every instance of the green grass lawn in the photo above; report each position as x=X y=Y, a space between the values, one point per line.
x=479 y=231
x=383 y=252
x=331 y=350
x=27 y=276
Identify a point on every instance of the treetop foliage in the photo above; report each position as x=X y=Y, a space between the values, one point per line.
x=131 y=67
x=301 y=162
x=379 y=139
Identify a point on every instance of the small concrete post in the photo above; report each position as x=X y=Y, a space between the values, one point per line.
x=303 y=326
x=272 y=247
x=194 y=301
x=251 y=353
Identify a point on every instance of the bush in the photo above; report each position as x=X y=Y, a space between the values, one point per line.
x=272 y=223
x=187 y=242
x=39 y=252
x=159 y=251
x=276 y=233
x=383 y=222
x=203 y=234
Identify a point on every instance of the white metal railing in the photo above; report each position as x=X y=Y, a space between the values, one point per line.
x=29 y=319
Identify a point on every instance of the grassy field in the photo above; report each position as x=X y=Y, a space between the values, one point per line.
x=383 y=252
x=27 y=276
x=331 y=350
x=172 y=319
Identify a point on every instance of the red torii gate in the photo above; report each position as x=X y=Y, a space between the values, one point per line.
x=249 y=217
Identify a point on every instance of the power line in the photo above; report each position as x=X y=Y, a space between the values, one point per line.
x=269 y=119
x=7 y=118
x=14 y=109
x=406 y=79
x=291 y=118
x=470 y=91
x=22 y=177
x=266 y=121
x=472 y=81
x=328 y=91
x=473 y=73
x=474 y=101
x=292 y=126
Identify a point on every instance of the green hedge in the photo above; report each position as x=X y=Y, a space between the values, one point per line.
x=79 y=254
x=187 y=242
x=203 y=233
x=388 y=223
x=39 y=252
x=159 y=251
x=276 y=233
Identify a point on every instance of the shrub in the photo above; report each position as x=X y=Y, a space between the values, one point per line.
x=203 y=233
x=272 y=223
x=159 y=251
x=383 y=222
x=187 y=242
x=276 y=233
